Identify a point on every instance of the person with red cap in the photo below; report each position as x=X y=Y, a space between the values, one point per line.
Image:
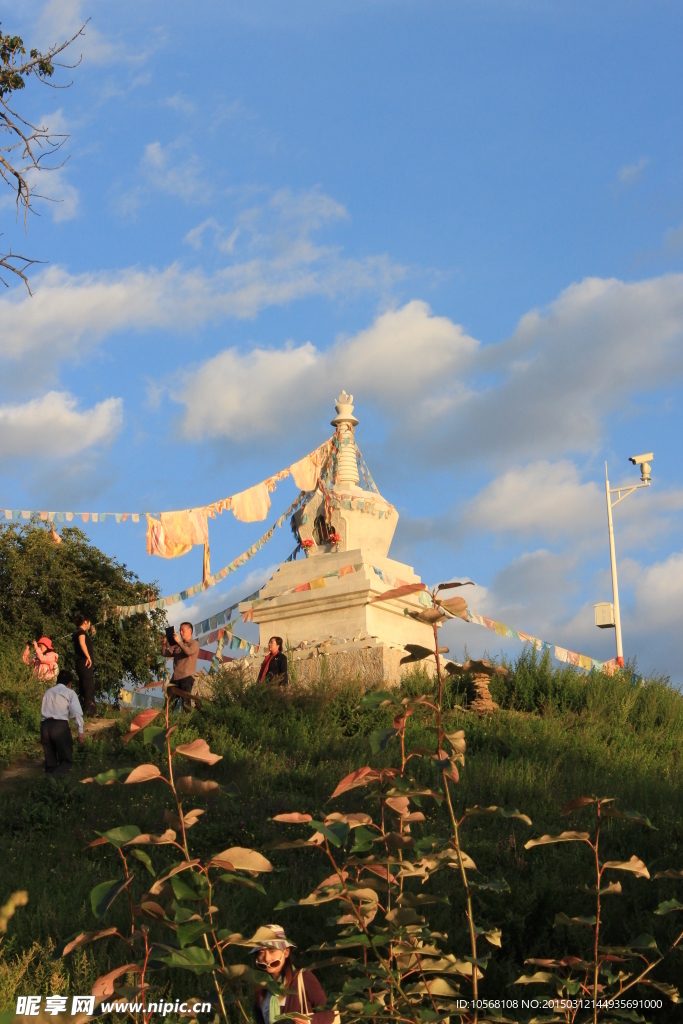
x=45 y=657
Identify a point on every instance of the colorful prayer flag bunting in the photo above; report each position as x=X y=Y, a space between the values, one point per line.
x=560 y=653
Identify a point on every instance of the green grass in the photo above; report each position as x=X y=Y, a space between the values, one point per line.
x=557 y=735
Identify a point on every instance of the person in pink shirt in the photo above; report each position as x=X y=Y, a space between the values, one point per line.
x=44 y=660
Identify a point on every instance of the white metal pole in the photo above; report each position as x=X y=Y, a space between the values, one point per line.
x=615 y=586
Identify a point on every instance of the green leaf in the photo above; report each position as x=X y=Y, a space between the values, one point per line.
x=539 y=978
x=613 y=889
x=578 y=803
x=379 y=739
x=363 y=839
x=377 y=699
x=155 y=734
x=634 y=816
x=499 y=812
x=668 y=906
x=633 y=864
x=497 y=885
x=563 y=919
x=144 y=859
x=668 y=990
x=286 y=904
x=182 y=890
x=109 y=777
x=492 y=935
x=118 y=836
x=564 y=837
x=337 y=832
x=643 y=941
x=239 y=880
x=187 y=933
x=193 y=958
x=104 y=894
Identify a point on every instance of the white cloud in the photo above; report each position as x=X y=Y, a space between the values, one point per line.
x=165 y=173
x=673 y=239
x=61 y=19
x=544 y=392
x=53 y=427
x=659 y=595
x=61 y=197
x=195 y=236
x=540 y=499
x=180 y=102
x=568 y=366
x=629 y=174
x=68 y=309
x=209 y=602
x=166 y=170
x=394 y=362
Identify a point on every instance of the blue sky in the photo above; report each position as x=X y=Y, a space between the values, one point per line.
x=468 y=214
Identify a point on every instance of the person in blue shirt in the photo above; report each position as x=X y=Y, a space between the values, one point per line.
x=60 y=703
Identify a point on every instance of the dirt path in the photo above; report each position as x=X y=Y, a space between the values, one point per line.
x=30 y=767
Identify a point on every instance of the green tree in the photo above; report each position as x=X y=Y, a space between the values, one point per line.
x=44 y=583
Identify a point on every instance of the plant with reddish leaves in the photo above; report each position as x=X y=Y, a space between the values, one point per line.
x=374 y=867
x=180 y=897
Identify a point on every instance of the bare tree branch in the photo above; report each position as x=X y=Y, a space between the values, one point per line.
x=26 y=149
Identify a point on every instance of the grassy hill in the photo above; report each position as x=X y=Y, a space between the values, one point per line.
x=557 y=736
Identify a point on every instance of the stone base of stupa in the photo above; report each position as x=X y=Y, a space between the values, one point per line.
x=326 y=602
x=366 y=660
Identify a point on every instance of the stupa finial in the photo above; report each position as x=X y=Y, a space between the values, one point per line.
x=345 y=421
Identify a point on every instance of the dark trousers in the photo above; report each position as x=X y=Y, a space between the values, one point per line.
x=86 y=688
x=58 y=744
x=185 y=684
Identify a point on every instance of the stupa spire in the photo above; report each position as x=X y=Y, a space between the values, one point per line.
x=345 y=421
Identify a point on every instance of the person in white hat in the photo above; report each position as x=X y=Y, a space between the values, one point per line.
x=305 y=994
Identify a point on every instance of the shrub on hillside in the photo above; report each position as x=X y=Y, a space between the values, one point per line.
x=43 y=585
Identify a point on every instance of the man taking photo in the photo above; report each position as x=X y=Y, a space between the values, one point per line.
x=184 y=651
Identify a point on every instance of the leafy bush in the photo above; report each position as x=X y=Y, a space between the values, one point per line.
x=44 y=584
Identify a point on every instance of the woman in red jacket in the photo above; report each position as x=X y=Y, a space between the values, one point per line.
x=305 y=994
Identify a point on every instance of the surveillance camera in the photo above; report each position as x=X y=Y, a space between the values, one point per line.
x=638 y=460
x=644 y=462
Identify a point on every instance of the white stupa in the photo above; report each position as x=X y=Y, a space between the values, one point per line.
x=321 y=605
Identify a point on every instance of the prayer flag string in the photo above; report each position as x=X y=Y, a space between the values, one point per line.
x=182 y=595
x=242 y=504
x=560 y=653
